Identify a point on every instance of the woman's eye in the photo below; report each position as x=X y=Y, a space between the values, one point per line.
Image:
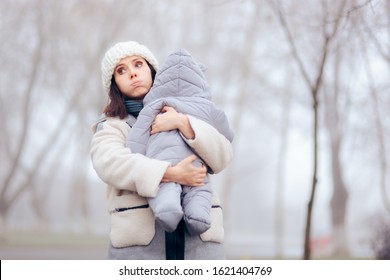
x=120 y=70
x=138 y=64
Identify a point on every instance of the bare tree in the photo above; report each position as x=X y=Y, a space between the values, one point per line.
x=334 y=115
x=242 y=96
x=314 y=85
x=7 y=196
x=63 y=63
x=63 y=79
x=384 y=51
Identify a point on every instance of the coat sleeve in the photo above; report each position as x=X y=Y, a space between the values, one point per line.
x=117 y=166
x=214 y=148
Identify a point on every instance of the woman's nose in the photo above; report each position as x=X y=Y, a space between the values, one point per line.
x=133 y=74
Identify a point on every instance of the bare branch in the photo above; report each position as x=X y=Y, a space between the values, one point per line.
x=290 y=38
x=26 y=112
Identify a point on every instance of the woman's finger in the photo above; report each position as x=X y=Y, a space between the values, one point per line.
x=166 y=109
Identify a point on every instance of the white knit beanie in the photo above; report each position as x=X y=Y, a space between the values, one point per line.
x=119 y=51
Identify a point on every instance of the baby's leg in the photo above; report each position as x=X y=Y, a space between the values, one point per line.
x=166 y=206
x=197 y=202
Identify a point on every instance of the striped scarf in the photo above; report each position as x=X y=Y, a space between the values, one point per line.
x=133 y=107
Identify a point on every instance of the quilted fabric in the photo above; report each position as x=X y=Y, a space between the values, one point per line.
x=181 y=84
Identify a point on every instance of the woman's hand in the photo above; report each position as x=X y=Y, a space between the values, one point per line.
x=170 y=120
x=185 y=173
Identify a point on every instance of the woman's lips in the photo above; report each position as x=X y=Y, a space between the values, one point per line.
x=136 y=83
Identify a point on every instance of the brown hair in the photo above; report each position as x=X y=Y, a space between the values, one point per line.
x=116 y=106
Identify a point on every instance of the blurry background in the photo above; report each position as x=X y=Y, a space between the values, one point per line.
x=305 y=85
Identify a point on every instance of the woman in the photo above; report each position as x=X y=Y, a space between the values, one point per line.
x=128 y=70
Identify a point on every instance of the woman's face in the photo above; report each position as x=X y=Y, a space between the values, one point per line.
x=133 y=77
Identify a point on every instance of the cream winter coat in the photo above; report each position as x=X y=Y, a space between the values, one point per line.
x=132 y=177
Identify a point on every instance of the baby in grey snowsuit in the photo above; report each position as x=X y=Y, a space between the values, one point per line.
x=181 y=84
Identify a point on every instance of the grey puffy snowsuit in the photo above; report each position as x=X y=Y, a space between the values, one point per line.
x=181 y=84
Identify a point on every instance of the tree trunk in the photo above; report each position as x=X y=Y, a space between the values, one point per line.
x=241 y=99
x=307 y=249
x=5 y=198
x=338 y=202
